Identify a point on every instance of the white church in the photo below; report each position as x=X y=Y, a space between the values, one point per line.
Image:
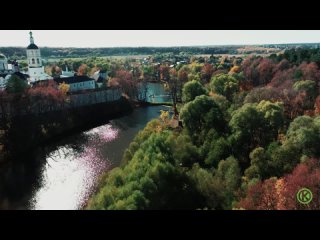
x=35 y=68
x=36 y=72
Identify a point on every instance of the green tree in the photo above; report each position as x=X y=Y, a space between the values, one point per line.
x=255 y=125
x=219 y=149
x=209 y=188
x=248 y=130
x=283 y=158
x=304 y=132
x=228 y=173
x=16 y=85
x=149 y=180
x=225 y=85
x=273 y=114
x=200 y=115
x=191 y=90
x=185 y=152
x=259 y=167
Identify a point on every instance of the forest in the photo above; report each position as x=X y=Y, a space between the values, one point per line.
x=248 y=138
x=243 y=132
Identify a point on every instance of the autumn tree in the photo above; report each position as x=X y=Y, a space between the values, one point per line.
x=305 y=175
x=83 y=70
x=265 y=71
x=261 y=196
x=206 y=72
x=235 y=69
x=309 y=71
x=281 y=194
x=64 y=88
x=164 y=72
x=45 y=96
x=183 y=75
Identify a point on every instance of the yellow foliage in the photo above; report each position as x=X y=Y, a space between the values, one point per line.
x=64 y=88
x=164 y=116
x=235 y=69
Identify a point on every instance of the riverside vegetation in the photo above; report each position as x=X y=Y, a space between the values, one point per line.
x=249 y=139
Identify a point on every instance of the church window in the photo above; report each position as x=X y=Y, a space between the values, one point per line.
x=38 y=61
x=33 y=62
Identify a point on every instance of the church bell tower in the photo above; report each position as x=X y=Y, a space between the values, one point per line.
x=35 y=68
x=33 y=54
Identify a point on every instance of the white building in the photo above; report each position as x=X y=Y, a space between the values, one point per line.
x=3 y=80
x=67 y=73
x=35 y=68
x=100 y=77
x=77 y=83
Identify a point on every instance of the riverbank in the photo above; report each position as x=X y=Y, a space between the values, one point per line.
x=31 y=131
x=62 y=174
x=146 y=104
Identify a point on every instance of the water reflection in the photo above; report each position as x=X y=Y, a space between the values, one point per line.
x=72 y=166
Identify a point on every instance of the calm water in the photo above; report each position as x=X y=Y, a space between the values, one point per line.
x=157 y=93
x=72 y=166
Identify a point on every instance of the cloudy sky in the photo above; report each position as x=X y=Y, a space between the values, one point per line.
x=133 y=38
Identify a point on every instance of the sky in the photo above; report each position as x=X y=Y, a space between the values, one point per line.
x=155 y=38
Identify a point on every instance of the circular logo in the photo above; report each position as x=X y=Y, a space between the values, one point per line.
x=304 y=196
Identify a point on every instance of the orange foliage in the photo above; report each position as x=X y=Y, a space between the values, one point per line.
x=281 y=194
x=83 y=69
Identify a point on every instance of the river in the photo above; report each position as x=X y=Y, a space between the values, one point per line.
x=63 y=174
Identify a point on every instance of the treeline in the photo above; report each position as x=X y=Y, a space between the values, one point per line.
x=249 y=140
x=47 y=52
x=299 y=55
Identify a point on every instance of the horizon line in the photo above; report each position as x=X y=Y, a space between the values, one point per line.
x=171 y=46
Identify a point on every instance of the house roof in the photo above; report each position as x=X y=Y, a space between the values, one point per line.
x=32 y=46
x=74 y=79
